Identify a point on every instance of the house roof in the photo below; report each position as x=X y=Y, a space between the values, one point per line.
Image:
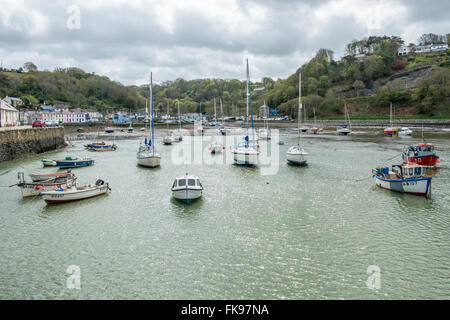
x=6 y=106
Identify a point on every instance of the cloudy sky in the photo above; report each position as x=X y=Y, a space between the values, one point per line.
x=192 y=39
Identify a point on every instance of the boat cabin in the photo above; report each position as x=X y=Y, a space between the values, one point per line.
x=404 y=171
x=186 y=182
x=421 y=148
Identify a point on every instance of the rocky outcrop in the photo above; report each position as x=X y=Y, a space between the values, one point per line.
x=20 y=143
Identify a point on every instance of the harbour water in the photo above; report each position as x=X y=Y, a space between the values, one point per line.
x=302 y=233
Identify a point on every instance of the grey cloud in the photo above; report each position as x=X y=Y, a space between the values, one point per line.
x=125 y=41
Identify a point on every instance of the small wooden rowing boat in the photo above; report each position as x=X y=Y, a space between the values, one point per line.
x=46 y=176
x=31 y=189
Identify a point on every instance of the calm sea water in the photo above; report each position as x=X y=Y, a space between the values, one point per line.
x=302 y=233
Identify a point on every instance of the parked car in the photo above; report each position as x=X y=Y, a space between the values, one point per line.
x=55 y=123
x=39 y=123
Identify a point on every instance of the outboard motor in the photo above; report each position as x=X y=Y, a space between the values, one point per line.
x=21 y=177
x=99 y=182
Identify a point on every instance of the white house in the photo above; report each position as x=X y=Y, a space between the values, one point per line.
x=9 y=116
x=403 y=50
x=439 y=47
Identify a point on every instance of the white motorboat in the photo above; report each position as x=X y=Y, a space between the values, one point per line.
x=147 y=155
x=73 y=193
x=296 y=154
x=48 y=163
x=264 y=134
x=406 y=178
x=187 y=188
x=31 y=189
x=46 y=176
x=405 y=132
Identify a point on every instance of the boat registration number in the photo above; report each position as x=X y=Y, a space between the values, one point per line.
x=410 y=183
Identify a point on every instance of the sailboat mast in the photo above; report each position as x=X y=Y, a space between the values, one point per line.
x=151 y=106
x=390 y=114
x=179 y=115
x=215 y=113
x=299 y=106
x=249 y=97
x=221 y=109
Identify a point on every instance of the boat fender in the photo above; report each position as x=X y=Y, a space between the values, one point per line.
x=99 y=182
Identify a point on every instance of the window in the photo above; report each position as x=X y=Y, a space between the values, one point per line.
x=410 y=171
x=417 y=171
x=181 y=183
x=191 y=182
x=174 y=184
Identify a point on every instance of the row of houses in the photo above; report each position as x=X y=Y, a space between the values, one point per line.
x=12 y=115
x=404 y=50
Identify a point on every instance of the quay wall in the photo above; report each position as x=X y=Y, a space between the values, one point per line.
x=23 y=142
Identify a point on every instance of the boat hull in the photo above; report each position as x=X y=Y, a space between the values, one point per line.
x=96 y=147
x=68 y=196
x=43 y=177
x=245 y=157
x=296 y=159
x=427 y=161
x=187 y=195
x=74 y=163
x=415 y=186
x=150 y=162
x=49 y=163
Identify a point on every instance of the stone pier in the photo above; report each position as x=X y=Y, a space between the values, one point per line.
x=22 y=142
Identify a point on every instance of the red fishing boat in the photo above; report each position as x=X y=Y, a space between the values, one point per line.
x=421 y=154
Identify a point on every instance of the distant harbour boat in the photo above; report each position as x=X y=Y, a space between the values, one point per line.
x=109 y=129
x=48 y=163
x=100 y=146
x=74 y=162
x=46 y=176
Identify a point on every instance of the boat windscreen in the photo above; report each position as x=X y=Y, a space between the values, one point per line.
x=181 y=182
x=191 y=182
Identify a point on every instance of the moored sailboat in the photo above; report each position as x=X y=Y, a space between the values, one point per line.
x=296 y=154
x=247 y=152
x=146 y=155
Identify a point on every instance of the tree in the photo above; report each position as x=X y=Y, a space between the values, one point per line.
x=430 y=38
x=358 y=85
x=30 y=67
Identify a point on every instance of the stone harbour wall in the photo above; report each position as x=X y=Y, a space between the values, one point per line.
x=20 y=143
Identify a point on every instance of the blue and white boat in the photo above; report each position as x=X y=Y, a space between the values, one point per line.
x=187 y=188
x=74 y=162
x=100 y=146
x=406 y=178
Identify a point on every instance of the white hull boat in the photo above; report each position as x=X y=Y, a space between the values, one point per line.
x=216 y=148
x=406 y=178
x=343 y=131
x=49 y=163
x=245 y=156
x=405 y=132
x=264 y=134
x=46 y=176
x=167 y=140
x=75 y=193
x=31 y=189
x=148 y=159
x=187 y=188
x=296 y=156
